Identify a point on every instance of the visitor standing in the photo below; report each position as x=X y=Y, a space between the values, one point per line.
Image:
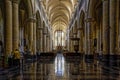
x=17 y=57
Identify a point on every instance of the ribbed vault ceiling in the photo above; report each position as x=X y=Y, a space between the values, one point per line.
x=59 y=12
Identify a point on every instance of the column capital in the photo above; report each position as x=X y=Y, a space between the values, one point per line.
x=75 y=33
x=80 y=29
x=104 y=0
x=8 y=0
x=31 y=19
x=45 y=33
x=90 y=20
x=40 y=28
x=15 y=1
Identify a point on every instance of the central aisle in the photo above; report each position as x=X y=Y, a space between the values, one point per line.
x=60 y=69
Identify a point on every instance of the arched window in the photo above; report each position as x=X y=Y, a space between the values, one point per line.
x=59 y=38
x=59 y=64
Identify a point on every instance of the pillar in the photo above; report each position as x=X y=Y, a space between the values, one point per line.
x=41 y=40
x=34 y=39
x=38 y=40
x=98 y=39
x=80 y=34
x=38 y=29
x=75 y=30
x=71 y=42
x=44 y=42
x=112 y=26
x=117 y=26
x=47 y=42
x=90 y=35
x=50 y=43
x=106 y=33
x=82 y=41
x=44 y=39
x=15 y=25
x=89 y=39
x=8 y=28
x=86 y=39
x=31 y=35
x=101 y=37
x=67 y=41
x=113 y=33
x=105 y=27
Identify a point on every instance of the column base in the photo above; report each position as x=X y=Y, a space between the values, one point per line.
x=110 y=65
x=5 y=62
x=89 y=58
x=110 y=60
x=113 y=64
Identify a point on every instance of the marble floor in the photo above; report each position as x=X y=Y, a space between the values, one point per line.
x=63 y=70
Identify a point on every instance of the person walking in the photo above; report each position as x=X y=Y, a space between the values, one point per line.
x=17 y=57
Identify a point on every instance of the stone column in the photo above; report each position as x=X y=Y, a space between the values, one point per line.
x=44 y=40
x=117 y=25
x=47 y=42
x=50 y=43
x=38 y=40
x=90 y=35
x=34 y=39
x=98 y=39
x=71 y=42
x=75 y=30
x=106 y=27
x=67 y=41
x=46 y=48
x=86 y=36
x=112 y=26
x=15 y=25
x=31 y=35
x=80 y=33
x=8 y=28
x=41 y=40
x=78 y=36
x=113 y=33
